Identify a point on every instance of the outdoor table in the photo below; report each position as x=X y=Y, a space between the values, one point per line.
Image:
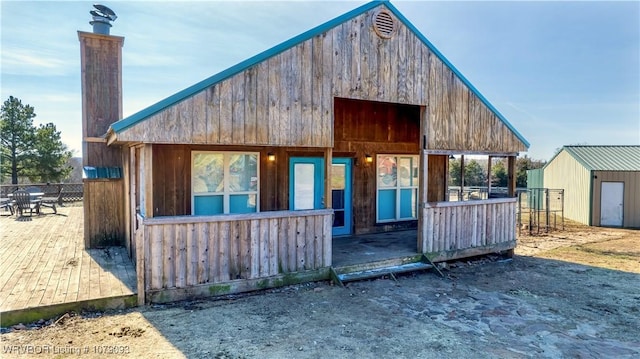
x=33 y=195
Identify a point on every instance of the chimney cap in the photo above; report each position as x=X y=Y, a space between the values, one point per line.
x=104 y=12
x=102 y=18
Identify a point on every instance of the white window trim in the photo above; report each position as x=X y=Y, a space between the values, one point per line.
x=226 y=193
x=416 y=158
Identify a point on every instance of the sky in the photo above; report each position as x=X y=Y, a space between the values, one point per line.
x=561 y=72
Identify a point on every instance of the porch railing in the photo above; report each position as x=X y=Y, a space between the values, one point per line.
x=180 y=252
x=451 y=226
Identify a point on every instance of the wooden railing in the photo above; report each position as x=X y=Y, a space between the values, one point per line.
x=179 y=252
x=450 y=226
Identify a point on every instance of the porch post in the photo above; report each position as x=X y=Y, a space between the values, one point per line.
x=146 y=180
x=423 y=185
x=133 y=188
x=126 y=170
x=461 y=194
x=512 y=176
x=489 y=177
x=423 y=181
x=328 y=158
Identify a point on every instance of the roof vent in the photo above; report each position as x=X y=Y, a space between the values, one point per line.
x=102 y=18
x=384 y=24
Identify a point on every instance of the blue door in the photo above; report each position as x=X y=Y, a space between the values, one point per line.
x=306 y=183
x=341 y=195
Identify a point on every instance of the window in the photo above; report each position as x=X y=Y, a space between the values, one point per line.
x=224 y=182
x=397 y=187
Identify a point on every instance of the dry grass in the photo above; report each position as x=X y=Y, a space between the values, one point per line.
x=610 y=248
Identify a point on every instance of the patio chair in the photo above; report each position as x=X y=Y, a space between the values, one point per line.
x=23 y=203
x=51 y=202
x=5 y=203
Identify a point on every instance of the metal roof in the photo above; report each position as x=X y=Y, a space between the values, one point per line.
x=206 y=83
x=606 y=158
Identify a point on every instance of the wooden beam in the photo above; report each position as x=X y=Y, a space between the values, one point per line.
x=423 y=187
x=423 y=180
x=140 y=261
x=461 y=195
x=126 y=170
x=133 y=191
x=147 y=156
x=511 y=164
x=328 y=158
x=95 y=139
x=465 y=152
x=489 y=176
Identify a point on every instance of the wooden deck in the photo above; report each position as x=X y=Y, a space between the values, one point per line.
x=43 y=262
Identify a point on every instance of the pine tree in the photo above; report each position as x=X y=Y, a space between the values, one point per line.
x=27 y=151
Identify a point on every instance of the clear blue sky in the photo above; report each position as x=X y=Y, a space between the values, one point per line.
x=560 y=72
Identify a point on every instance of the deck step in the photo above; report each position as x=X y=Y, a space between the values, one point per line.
x=378 y=272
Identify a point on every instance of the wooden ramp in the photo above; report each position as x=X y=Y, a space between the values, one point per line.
x=45 y=269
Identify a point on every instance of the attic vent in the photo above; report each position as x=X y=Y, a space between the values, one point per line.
x=383 y=24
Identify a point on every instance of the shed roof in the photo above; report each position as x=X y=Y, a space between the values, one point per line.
x=607 y=157
x=242 y=66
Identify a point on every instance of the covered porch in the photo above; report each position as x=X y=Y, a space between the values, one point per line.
x=183 y=257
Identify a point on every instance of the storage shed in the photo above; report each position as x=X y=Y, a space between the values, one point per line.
x=601 y=184
x=243 y=180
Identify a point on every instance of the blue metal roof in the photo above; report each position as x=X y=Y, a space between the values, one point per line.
x=206 y=83
x=606 y=158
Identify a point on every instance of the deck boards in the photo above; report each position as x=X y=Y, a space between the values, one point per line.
x=43 y=262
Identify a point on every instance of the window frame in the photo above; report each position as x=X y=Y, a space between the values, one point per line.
x=226 y=192
x=397 y=188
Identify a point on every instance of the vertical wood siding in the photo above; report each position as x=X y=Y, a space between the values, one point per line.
x=186 y=251
x=101 y=82
x=287 y=100
x=451 y=226
x=104 y=213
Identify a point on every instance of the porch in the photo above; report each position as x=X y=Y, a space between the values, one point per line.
x=45 y=269
x=182 y=257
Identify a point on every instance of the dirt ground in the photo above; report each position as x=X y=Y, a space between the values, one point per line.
x=567 y=294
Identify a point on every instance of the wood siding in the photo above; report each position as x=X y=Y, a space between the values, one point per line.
x=564 y=172
x=171 y=180
x=181 y=252
x=631 y=204
x=438 y=174
x=456 y=226
x=101 y=70
x=104 y=223
x=287 y=100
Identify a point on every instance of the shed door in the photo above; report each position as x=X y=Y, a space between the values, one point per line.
x=611 y=203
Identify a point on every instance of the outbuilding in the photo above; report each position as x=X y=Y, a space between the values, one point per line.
x=601 y=184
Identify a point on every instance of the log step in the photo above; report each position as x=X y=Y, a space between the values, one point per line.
x=379 y=272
